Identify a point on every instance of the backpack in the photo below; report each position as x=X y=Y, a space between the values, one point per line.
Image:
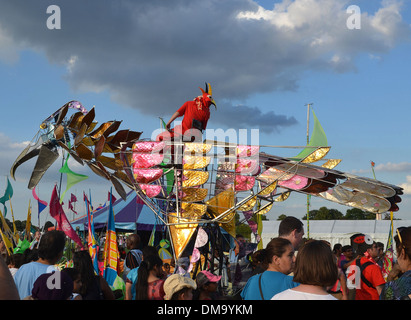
x=362 y=268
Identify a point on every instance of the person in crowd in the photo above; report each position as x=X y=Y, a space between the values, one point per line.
x=14 y=262
x=348 y=257
x=34 y=244
x=257 y=262
x=132 y=276
x=337 y=251
x=292 y=229
x=364 y=271
x=240 y=265
x=94 y=286
x=167 y=269
x=52 y=286
x=75 y=276
x=178 y=287
x=339 y=290
x=133 y=256
x=8 y=289
x=400 y=289
x=150 y=285
x=315 y=269
x=279 y=257
x=380 y=258
x=207 y=285
x=30 y=255
x=50 y=251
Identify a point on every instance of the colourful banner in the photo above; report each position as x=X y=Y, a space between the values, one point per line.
x=92 y=242
x=57 y=212
x=389 y=253
x=28 y=223
x=111 y=254
x=41 y=203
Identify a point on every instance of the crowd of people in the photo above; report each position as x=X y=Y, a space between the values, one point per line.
x=288 y=268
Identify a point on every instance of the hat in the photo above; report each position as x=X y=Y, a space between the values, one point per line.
x=53 y=286
x=206 y=276
x=361 y=242
x=175 y=283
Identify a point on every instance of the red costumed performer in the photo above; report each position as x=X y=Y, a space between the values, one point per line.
x=196 y=114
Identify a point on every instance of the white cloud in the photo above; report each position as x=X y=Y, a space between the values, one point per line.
x=8 y=48
x=152 y=55
x=394 y=167
x=407 y=186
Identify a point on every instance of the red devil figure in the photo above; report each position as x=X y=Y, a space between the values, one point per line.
x=196 y=113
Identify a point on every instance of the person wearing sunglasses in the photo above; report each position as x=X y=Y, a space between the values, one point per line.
x=400 y=289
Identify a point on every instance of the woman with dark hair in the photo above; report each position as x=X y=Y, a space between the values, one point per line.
x=279 y=258
x=94 y=286
x=315 y=269
x=400 y=289
x=149 y=285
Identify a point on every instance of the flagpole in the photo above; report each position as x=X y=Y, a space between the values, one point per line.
x=308 y=141
x=377 y=215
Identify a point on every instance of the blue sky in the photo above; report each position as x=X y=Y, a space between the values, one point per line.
x=139 y=60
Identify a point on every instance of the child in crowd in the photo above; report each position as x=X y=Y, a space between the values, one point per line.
x=178 y=287
x=207 y=284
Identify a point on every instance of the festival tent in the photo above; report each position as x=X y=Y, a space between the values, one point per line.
x=338 y=231
x=127 y=213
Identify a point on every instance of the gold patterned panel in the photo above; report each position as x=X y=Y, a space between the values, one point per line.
x=193 y=210
x=195 y=162
x=228 y=224
x=248 y=205
x=317 y=155
x=268 y=189
x=195 y=178
x=221 y=202
x=265 y=209
x=180 y=233
x=197 y=148
x=331 y=163
x=194 y=194
x=282 y=197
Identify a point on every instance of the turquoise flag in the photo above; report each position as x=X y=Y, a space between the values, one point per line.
x=8 y=193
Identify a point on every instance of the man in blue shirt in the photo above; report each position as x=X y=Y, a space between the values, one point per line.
x=50 y=251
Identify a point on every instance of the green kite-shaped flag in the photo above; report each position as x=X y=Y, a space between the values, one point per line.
x=72 y=178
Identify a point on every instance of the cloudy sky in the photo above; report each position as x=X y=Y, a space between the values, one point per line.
x=137 y=61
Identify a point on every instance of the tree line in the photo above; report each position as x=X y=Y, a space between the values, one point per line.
x=324 y=213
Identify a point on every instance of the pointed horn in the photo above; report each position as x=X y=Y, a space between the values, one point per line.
x=209 y=90
x=202 y=91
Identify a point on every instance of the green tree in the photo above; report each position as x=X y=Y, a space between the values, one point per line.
x=358 y=214
x=324 y=214
x=281 y=217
